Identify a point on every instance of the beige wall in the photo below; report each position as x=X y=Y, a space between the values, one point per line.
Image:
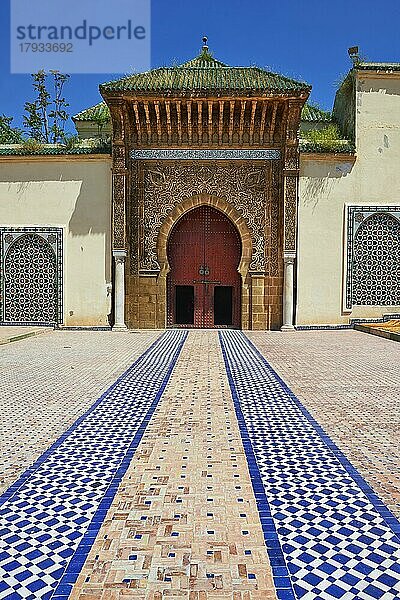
x=328 y=183
x=89 y=130
x=75 y=194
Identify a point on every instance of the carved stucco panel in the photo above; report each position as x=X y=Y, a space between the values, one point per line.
x=292 y=157
x=118 y=157
x=290 y=212
x=167 y=185
x=275 y=220
x=119 y=184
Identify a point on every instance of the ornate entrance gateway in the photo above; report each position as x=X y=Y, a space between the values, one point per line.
x=204 y=285
x=230 y=136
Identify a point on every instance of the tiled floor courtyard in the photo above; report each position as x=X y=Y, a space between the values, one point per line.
x=207 y=470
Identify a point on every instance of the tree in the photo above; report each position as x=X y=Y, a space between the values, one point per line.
x=101 y=121
x=47 y=116
x=9 y=134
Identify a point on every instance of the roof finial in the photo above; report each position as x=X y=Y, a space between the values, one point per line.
x=205 y=40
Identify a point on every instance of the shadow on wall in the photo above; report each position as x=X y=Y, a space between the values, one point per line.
x=91 y=207
x=320 y=179
x=93 y=216
x=381 y=86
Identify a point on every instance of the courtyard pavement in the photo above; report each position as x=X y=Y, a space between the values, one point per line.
x=190 y=465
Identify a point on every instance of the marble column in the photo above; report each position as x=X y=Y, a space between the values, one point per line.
x=288 y=291
x=119 y=295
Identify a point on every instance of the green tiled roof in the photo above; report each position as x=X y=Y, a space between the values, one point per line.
x=313 y=113
x=377 y=66
x=205 y=60
x=94 y=112
x=53 y=150
x=205 y=73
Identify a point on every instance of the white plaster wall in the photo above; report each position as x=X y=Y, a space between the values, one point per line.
x=89 y=129
x=75 y=194
x=328 y=183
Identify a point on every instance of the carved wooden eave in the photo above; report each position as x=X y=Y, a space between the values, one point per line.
x=193 y=121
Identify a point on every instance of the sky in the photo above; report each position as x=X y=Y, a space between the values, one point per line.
x=304 y=39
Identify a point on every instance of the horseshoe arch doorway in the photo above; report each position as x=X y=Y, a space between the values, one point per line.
x=204 y=285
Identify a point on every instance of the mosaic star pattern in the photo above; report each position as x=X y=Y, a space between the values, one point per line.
x=373 y=255
x=376 y=268
x=31 y=288
x=53 y=512
x=319 y=517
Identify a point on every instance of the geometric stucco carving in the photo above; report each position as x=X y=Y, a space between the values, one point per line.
x=163 y=186
x=119 y=197
x=195 y=202
x=290 y=218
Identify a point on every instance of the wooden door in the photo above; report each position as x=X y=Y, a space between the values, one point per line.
x=204 y=286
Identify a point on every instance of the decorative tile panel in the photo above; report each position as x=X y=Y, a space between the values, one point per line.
x=204 y=154
x=322 y=522
x=50 y=517
x=373 y=256
x=31 y=275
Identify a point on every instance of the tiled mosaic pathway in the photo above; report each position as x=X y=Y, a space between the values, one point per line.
x=231 y=477
x=322 y=523
x=55 y=509
x=184 y=522
x=350 y=383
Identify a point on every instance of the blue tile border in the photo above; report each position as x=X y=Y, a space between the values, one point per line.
x=72 y=569
x=321 y=521
x=27 y=324
x=383 y=319
x=280 y=572
x=89 y=328
x=21 y=480
x=323 y=327
x=352 y=322
x=392 y=522
x=209 y=154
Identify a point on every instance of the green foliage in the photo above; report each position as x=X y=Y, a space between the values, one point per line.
x=102 y=145
x=101 y=120
x=328 y=139
x=46 y=116
x=58 y=114
x=71 y=142
x=31 y=146
x=327 y=134
x=9 y=134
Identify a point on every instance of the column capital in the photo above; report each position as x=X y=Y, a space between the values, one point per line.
x=119 y=253
x=289 y=258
